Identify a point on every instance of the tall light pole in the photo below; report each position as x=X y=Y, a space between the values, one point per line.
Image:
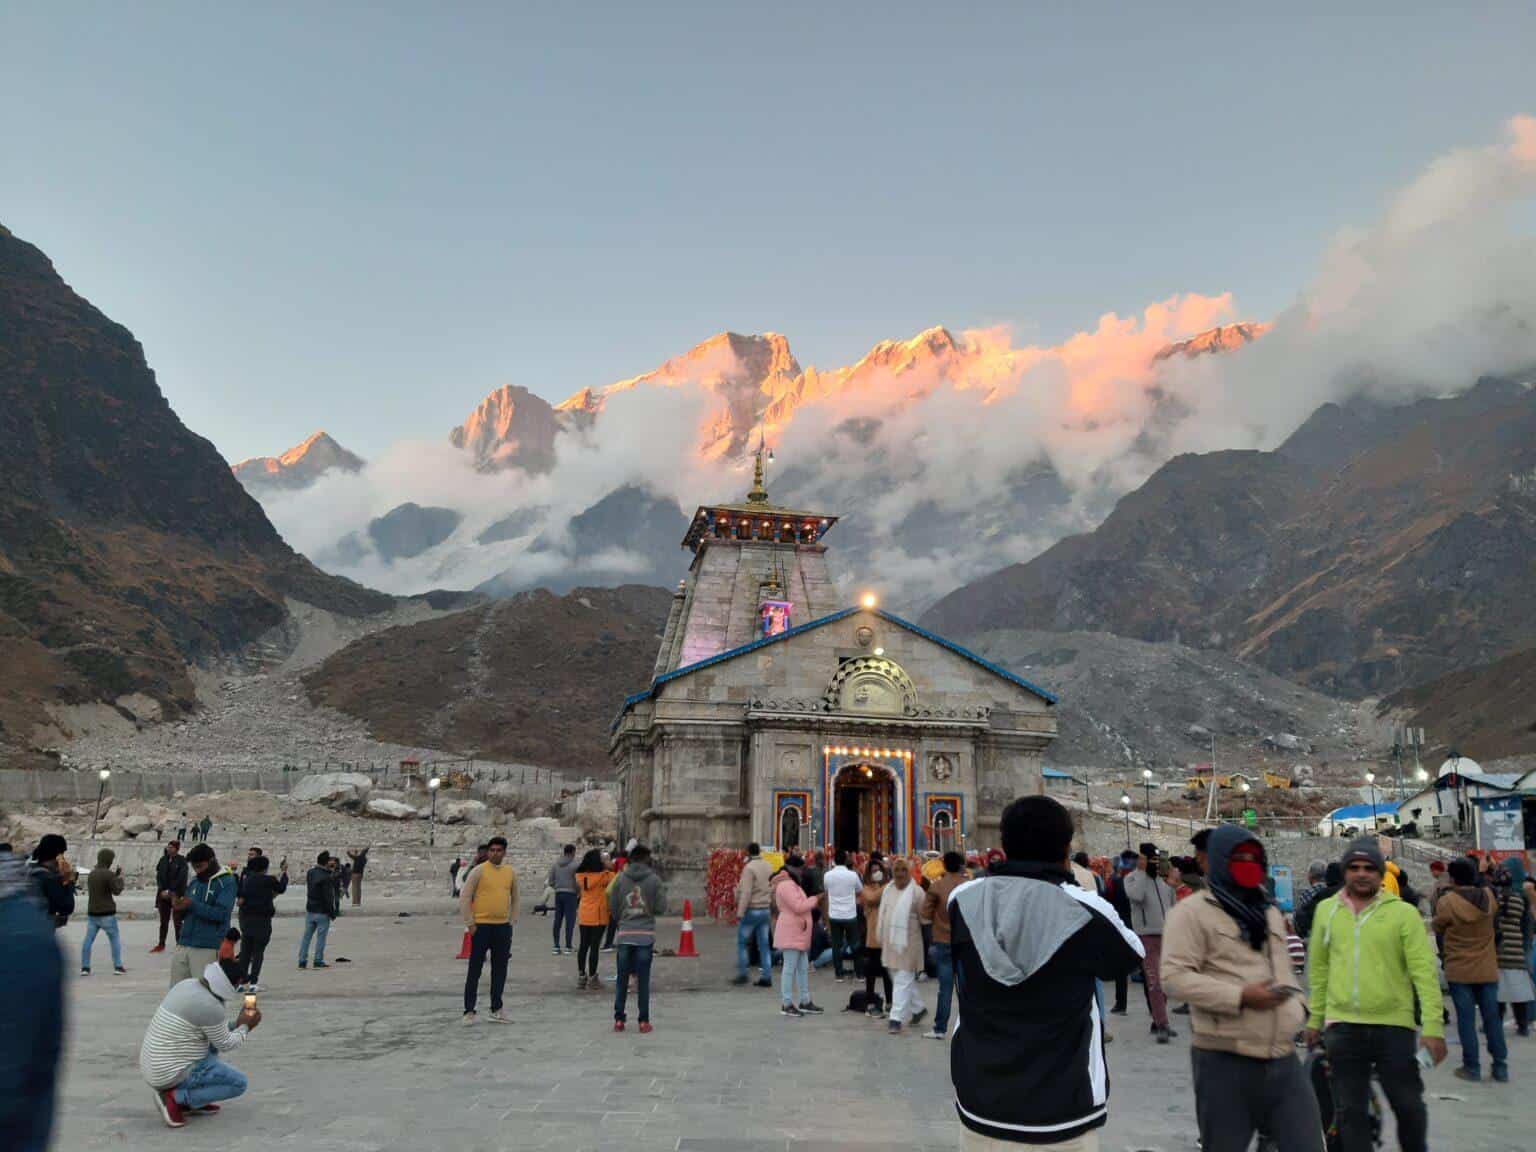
x=1370 y=778
x=432 y=786
x=1125 y=804
x=1146 y=786
x=1242 y=792
x=104 y=775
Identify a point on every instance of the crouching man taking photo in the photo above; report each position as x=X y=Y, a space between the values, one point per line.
x=180 y=1054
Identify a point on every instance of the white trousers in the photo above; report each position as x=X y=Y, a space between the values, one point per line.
x=904 y=998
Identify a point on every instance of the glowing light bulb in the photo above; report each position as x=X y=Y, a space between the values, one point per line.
x=869 y=600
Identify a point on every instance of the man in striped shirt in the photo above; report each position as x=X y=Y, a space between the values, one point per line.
x=180 y=1054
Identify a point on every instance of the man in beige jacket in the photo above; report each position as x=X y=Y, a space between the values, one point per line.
x=1224 y=953
x=754 y=897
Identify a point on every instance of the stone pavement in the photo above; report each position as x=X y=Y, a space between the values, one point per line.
x=370 y=1055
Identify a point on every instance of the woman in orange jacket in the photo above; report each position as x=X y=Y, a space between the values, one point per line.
x=592 y=880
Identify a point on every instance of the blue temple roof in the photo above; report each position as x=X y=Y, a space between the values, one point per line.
x=809 y=626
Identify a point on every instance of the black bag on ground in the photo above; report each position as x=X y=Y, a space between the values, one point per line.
x=861 y=1001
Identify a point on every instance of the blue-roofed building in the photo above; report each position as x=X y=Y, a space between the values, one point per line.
x=780 y=713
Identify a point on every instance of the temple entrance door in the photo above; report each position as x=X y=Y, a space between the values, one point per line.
x=864 y=807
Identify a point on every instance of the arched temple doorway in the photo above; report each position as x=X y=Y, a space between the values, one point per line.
x=865 y=808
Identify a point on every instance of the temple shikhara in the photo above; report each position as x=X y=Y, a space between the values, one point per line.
x=778 y=713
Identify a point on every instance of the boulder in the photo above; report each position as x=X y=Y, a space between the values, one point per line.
x=334 y=789
x=597 y=812
x=389 y=809
x=137 y=823
x=463 y=812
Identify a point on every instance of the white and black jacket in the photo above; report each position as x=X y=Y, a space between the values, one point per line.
x=1028 y=1056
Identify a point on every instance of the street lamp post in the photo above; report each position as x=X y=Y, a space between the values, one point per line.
x=104 y=775
x=432 y=786
x=1125 y=804
x=1146 y=785
x=1370 y=778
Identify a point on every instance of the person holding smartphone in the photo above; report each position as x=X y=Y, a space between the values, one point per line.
x=180 y=1057
x=1224 y=952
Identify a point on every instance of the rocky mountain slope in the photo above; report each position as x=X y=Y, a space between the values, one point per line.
x=1487 y=712
x=1376 y=548
x=298 y=467
x=534 y=678
x=127 y=547
x=1129 y=703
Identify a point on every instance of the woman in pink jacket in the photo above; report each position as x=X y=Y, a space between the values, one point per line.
x=792 y=936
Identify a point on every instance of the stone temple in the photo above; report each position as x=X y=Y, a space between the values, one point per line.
x=780 y=714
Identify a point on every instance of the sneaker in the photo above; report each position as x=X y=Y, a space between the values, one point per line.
x=470 y=1018
x=120 y=971
x=157 y=948
x=840 y=979
x=763 y=984
x=811 y=1008
x=321 y=964
x=934 y=1034
x=790 y=1010
x=557 y=950
x=205 y=1110
x=302 y=965
x=170 y=1111
x=609 y=948
x=739 y=981
x=594 y=983
x=581 y=981
x=1501 y=1073
x=85 y=971
x=645 y=1027
x=618 y=1025
x=1465 y=1073
x=253 y=988
x=893 y=1027
x=919 y=1014
x=1117 y=1011
x=873 y=1011
x=499 y=1017
x=1163 y=1035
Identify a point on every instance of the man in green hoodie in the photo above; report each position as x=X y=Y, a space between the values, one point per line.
x=1368 y=957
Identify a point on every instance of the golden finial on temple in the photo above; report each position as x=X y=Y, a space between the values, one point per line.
x=759 y=493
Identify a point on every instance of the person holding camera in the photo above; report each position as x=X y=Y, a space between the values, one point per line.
x=179 y=1057
x=1151 y=898
x=1224 y=952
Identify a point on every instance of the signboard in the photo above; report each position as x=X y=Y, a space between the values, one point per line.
x=1283 y=886
x=1500 y=824
x=775 y=616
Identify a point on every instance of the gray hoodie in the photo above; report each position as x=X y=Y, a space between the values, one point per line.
x=1151 y=898
x=562 y=874
x=635 y=899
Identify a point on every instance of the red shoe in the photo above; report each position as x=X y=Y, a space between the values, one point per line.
x=205 y=1110
x=157 y=948
x=170 y=1111
x=645 y=1027
x=618 y=1025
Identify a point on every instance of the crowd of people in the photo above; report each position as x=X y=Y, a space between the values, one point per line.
x=1294 y=1020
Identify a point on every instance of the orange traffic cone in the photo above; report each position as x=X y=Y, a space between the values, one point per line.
x=685 y=943
x=464 y=947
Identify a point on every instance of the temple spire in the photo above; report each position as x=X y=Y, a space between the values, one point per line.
x=759 y=493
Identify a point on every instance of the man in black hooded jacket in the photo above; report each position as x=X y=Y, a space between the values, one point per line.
x=1028 y=945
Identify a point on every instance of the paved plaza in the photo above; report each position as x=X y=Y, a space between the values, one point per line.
x=371 y=1055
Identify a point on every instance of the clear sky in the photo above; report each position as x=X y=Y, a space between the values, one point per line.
x=364 y=217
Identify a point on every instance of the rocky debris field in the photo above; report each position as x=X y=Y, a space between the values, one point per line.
x=254 y=710
x=1130 y=704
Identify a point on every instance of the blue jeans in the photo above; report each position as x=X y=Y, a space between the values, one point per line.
x=210 y=1081
x=796 y=972
x=754 y=923
x=634 y=958
x=943 y=958
x=1472 y=1000
x=318 y=925
x=565 y=913
x=93 y=925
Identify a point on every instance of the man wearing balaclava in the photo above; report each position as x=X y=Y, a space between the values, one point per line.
x=1224 y=953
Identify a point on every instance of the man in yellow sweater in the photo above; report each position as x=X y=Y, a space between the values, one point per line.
x=488 y=903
